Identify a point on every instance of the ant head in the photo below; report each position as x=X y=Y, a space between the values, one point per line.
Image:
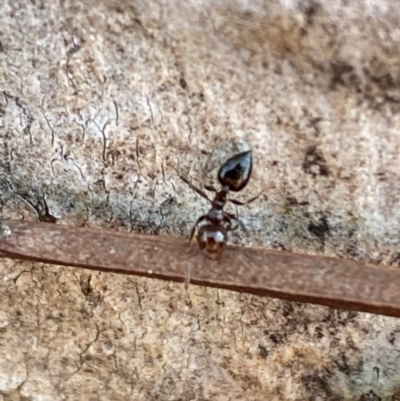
x=236 y=171
x=212 y=239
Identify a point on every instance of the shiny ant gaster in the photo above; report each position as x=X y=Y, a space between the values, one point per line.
x=233 y=175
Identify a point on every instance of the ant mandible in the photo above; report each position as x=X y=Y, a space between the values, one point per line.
x=233 y=175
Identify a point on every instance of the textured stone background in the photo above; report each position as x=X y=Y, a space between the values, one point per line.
x=100 y=98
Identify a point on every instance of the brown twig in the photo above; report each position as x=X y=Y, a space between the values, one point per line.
x=327 y=281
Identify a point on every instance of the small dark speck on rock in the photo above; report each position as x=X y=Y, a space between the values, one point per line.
x=263 y=351
x=276 y=338
x=183 y=83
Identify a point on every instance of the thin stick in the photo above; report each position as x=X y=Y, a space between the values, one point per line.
x=334 y=282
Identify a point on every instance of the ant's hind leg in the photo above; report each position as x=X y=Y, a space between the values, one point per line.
x=227 y=219
x=233 y=217
x=199 y=220
x=191 y=237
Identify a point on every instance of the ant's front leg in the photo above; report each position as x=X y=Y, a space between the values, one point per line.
x=186 y=181
x=210 y=188
x=204 y=176
x=207 y=187
x=239 y=203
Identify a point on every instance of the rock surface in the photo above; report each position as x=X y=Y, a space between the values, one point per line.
x=101 y=99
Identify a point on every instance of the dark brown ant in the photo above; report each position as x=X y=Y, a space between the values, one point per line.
x=233 y=175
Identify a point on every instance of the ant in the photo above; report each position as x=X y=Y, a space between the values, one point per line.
x=233 y=175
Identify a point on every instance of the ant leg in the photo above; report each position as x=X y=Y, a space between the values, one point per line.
x=186 y=181
x=233 y=217
x=199 y=220
x=227 y=219
x=187 y=278
x=210 y=188
x=204 y=175
x=206 y=166
x=236 y=202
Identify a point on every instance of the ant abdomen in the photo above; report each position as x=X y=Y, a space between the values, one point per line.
x=236 y=171
x=212 y=239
